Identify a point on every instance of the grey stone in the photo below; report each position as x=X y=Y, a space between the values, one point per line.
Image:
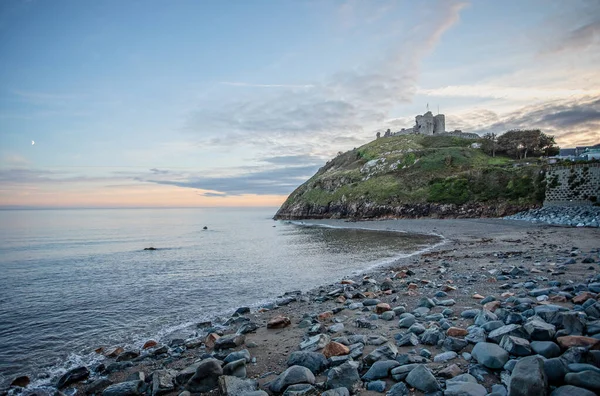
x=528 y=377
x=547 y=349
x=584 y=379
x=484 y=316
x=398 y=389
x=243 y=354
x=432 y=336
x=400 y=373
x=129 y=388
x=578 y=367
x=464 y=389
x=336 y=392
x=512 y=330
x=408 y=339
x=417 y=328
x=237 y=368
x=493 y=325
x=229 y=341
x=301 y=390
x=444 y=357
x=570 y=390
x=234 y=386
x=184 y=375
x=315 y=343
x=490 y=355
x=206 y=376
x=162 y=382
x=426 y=302
x=555 y=370
x=98 y=386
x=379 y=370
x=127 y=355
x=515 y=345
x=384 y=352
x=539 y=330
x=345 y=375
x=476 y=334
x=293 y=375
x=422 y=379
x=455 y=344
x=314 y=361
x=376 y=386
x=406 y=321
x=462 y=378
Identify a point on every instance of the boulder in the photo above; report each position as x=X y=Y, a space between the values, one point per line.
x=384 y=352
x=456 y=332
x=490 y=355
x=72 y=376
x=589 y=380
x=98 y=386
x=242 y=354
x=547 y=349
x=577 y=341
x=129 y=388
x=400 y=373
x=301 y=390
x=421 y=378
x=570 y=390
x=343 y=376
x=539 y=330
x=314 y=361
x=237 y=368
x=379 y=370
x=315 y=343
x=511 y=330
x=528 y=378
x=555 y=370
x=399 y=389
x=293 y=375
x=234 y=386
x=336 y=392
x=515 y=345
x=162 y=382
x=206 y=377
x=127 y=355
x=229 y=341
x=464 y=389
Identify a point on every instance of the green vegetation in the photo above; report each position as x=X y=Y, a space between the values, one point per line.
x=412 y=169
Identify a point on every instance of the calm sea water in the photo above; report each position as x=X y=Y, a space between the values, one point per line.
x=73 y=280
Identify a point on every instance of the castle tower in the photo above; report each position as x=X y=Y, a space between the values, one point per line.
x=425 y=123
x=439 y=124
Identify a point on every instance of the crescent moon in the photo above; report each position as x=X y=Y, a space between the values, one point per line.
x=32 y=142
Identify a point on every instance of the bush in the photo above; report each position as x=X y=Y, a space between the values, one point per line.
x=451 y=190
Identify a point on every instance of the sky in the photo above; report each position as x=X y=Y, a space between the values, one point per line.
x=236 y=103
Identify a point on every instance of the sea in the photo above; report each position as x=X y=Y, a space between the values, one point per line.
x=73 y=280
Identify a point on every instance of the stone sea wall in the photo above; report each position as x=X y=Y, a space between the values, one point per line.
x=573 y=185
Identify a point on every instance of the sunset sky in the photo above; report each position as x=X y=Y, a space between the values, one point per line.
x=236 y=103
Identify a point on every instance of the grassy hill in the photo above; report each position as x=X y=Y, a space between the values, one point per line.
x=416 y=176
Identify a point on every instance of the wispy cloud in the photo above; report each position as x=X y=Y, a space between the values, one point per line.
x=243 y=84
x=507 y=92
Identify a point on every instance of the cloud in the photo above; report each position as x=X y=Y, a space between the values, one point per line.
x=14 y=160
x=278 y=181
x=512 y=93
x=579 y=39
x=337 y=108
x=572 y=122
x=293 y=160
x=243 y=84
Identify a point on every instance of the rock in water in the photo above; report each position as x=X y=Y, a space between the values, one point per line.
x=21 y=381
x=490 y=355
x=422 y=379
x=528 y=378
x=206 y=376
x=129 y=388
x=234 y=386
x=293 y=375
x=72 y=376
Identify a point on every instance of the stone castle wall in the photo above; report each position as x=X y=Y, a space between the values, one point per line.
x=573 y=185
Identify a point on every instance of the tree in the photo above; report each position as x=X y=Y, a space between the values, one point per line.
x=521 y=143
x=489 y=143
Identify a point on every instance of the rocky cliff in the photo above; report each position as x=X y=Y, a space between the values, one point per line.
x=415 y=176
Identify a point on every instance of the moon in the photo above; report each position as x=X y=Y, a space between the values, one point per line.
x=32 y=142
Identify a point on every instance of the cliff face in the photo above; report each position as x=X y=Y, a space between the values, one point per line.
x=416 y=176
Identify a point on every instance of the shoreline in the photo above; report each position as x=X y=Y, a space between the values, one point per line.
x=467 y=237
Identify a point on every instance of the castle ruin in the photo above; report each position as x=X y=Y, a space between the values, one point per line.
x=428 y=124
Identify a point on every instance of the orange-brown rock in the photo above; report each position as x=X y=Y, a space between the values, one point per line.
x=425 y=281
x=491 y=280
x=370 y=294
x=577 y=341
x=478 y=296
x=558 y=298
x=211 y=339
x=492 y=305
x=401 y=274
x=99 y=350
x=583 y=297
x=387 y=292
x=412 y=286
x=279 y=322
x=456 y=332
x=113 y=352
x=347 y=282
x=382 y=307
x=448 y=288
x=335 y=349
x=507 y=294
x=340 y=300
x=262 y=310
x=323 y=316
x=149 y=344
